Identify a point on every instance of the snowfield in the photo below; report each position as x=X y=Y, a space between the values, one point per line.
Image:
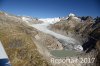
x=51 y=20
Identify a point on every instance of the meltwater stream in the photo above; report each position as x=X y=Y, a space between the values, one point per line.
x=66 y=41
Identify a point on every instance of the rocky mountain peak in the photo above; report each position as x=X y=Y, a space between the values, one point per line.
x=73 y=17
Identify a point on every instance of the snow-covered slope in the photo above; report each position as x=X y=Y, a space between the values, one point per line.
x=71 y=14
x=2 y=52
x=26 y=19
x=51 y=20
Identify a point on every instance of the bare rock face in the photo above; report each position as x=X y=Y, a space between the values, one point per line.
x=49 y=41
x=97 y=61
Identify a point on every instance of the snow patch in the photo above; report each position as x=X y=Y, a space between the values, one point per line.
x=2 y=52
x=26 y=19
x=71 y=14
x=79 y=48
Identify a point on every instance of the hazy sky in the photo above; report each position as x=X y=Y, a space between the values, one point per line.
x=51 y=8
